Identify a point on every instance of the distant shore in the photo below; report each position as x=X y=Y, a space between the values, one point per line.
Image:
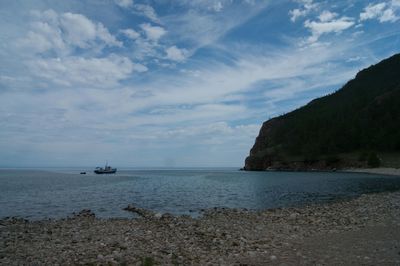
x=382 y=170
x=365 y=230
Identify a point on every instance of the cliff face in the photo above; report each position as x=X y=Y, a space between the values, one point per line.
x=260 y=155
x=363 y=117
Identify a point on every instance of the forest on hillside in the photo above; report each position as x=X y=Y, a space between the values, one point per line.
x=362 y=117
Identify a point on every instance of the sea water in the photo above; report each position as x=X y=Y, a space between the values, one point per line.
x=57 y=193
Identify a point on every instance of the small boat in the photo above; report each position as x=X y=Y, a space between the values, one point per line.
x=83 y=173
x=106 y=170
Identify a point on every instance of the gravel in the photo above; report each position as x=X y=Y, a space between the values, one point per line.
x=365 y=230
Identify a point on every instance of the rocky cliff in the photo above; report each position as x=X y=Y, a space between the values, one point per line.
x=354 y=126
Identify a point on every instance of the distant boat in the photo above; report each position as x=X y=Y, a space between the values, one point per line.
x=83 y=173
x=106 y=170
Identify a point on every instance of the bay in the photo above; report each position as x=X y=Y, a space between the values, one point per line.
x=57 y=193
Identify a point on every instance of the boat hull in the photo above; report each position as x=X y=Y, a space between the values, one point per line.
x=101 y=172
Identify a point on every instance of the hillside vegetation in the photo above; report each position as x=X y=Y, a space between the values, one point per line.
x=358 y=125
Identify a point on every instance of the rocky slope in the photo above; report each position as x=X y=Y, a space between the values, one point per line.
x=349 y=128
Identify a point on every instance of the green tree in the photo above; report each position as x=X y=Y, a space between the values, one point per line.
x=373 y=160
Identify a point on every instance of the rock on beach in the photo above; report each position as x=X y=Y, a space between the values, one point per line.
x=344 y=232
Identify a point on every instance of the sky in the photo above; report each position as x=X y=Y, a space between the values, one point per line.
x=166 y=83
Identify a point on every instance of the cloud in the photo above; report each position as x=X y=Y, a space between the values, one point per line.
x=74 y=89
x=170 y=103
x=297 y=13
x=63 y=32
x=153 y=33
x=217 y=133
x=139 y=68
x=148 y=44
x=139 y=9
x=104 y=35
x=306 y=7
x=146 y=11
x=327 y=16
x=217 y=7
x=80 y=31
x=209 y=5
x=372 y=11
x=389 y=16
x=156 y=43
x=124 y=3
x=176 y=54
x=327 y=24
x=355 y=59
x=383 y=12
x=130 y=33
x=217 y=82
x=75 y=71
x=40 y=42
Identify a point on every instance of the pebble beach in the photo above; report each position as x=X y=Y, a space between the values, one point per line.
x=381 y=171
x=361 y=231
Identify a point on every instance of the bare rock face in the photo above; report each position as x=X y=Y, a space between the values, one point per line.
x=259 y=158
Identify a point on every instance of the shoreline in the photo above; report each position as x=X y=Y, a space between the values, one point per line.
x=381 y=170
x=363 y=230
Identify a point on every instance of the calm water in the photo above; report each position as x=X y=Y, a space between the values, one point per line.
x=37 y=194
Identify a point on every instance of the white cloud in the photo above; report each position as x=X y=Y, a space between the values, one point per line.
x=308 y=4
x=216 y=133
x=326 y=16
x=80 y=31
x=124 y=3
x=319 y=28
x=130 y=33
x=306 y=7
x=219 y=82
x=65 y=31
x=77 y=71
x=104 y=35
x=297 y=13
x=176 y=54
x=388 y=16
x=139 y=9
x=147 y=44
x=355 y=59
x=210 y=5
x=85 y=99
x=139 y=68
x=197 y=27
x=215 y=5
x=153 y=33
x=218 y=6
x=147 y=11
x=396 y=3
x=372 y=11
x=383 y=12
x=39 y=43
